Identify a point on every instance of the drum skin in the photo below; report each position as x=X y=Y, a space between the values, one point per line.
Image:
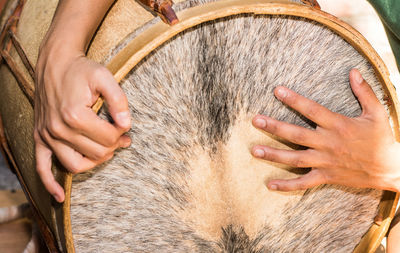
x=17 y=113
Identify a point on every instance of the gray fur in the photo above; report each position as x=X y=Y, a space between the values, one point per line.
x=219 y=69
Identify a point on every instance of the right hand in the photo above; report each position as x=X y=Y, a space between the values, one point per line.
x=67 y=85
x=358 y=152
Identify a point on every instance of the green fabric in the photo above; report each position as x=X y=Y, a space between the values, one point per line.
x=389 y=12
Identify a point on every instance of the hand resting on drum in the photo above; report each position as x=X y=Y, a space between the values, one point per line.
x=67 y=85
x=358 y=152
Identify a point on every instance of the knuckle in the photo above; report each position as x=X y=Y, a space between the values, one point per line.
x=118 y=98
x=100 y=72
x=271 y=156
x=338 y=125
x=299 y=162
x=113 y=140
x=298 y=137
x=302 y=186
x=55 y=128
x=342 y=127
x=71 y=117
x=74 y=166
x=40 y=170
x=75 y=169
x=273 y=126
x=101 y=154
x=45 y=136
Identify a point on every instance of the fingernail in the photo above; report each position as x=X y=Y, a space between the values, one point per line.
x=273 y=187
x=259 y=152
x=261 y=123
x=357 y=77
x=281 y=93
x=124 y=119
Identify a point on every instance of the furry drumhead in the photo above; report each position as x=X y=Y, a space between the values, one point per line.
x=188 y=182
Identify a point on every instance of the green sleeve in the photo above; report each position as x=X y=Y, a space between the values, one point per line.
x=389 y=12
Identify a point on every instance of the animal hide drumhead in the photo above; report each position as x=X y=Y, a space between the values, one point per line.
x=188 y=182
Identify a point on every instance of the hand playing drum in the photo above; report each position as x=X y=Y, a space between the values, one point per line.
x=67 y=85
x=359 y=152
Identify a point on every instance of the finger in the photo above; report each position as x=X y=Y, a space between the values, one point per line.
x=88 y=123
x=72 y=160
x=93 y=150
x=84 y=145
x=364 y=93
x=310 y=109
x=125 y=141
x=294 y=158
x=292 y=133
x=43 y=167
x=115 y=98
x=311 y=179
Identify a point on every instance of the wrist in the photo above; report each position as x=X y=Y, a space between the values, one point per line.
x=57 y=52
x=54 y=60
x=62 y=45
x=392 y=164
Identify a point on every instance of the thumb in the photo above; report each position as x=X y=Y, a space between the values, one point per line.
x=311 y=179
x=364 y=93
x=115 y=98
x=43 y=167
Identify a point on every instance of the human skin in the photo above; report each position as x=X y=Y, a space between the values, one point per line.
x=358 y=152
x=67 y=85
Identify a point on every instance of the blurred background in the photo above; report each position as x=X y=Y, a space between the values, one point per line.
x=361 y=15
x=8 y=181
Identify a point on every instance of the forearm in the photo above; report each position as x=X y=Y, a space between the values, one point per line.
x=74 y=24
x=67 y=85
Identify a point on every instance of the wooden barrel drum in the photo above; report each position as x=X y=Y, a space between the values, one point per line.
x=188 y=183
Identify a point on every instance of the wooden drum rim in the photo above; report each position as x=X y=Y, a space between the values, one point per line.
x=153 y=37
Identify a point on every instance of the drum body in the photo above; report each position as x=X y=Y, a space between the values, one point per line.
x=188 y=182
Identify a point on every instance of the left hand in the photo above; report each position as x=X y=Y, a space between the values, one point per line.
x=358 y=152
